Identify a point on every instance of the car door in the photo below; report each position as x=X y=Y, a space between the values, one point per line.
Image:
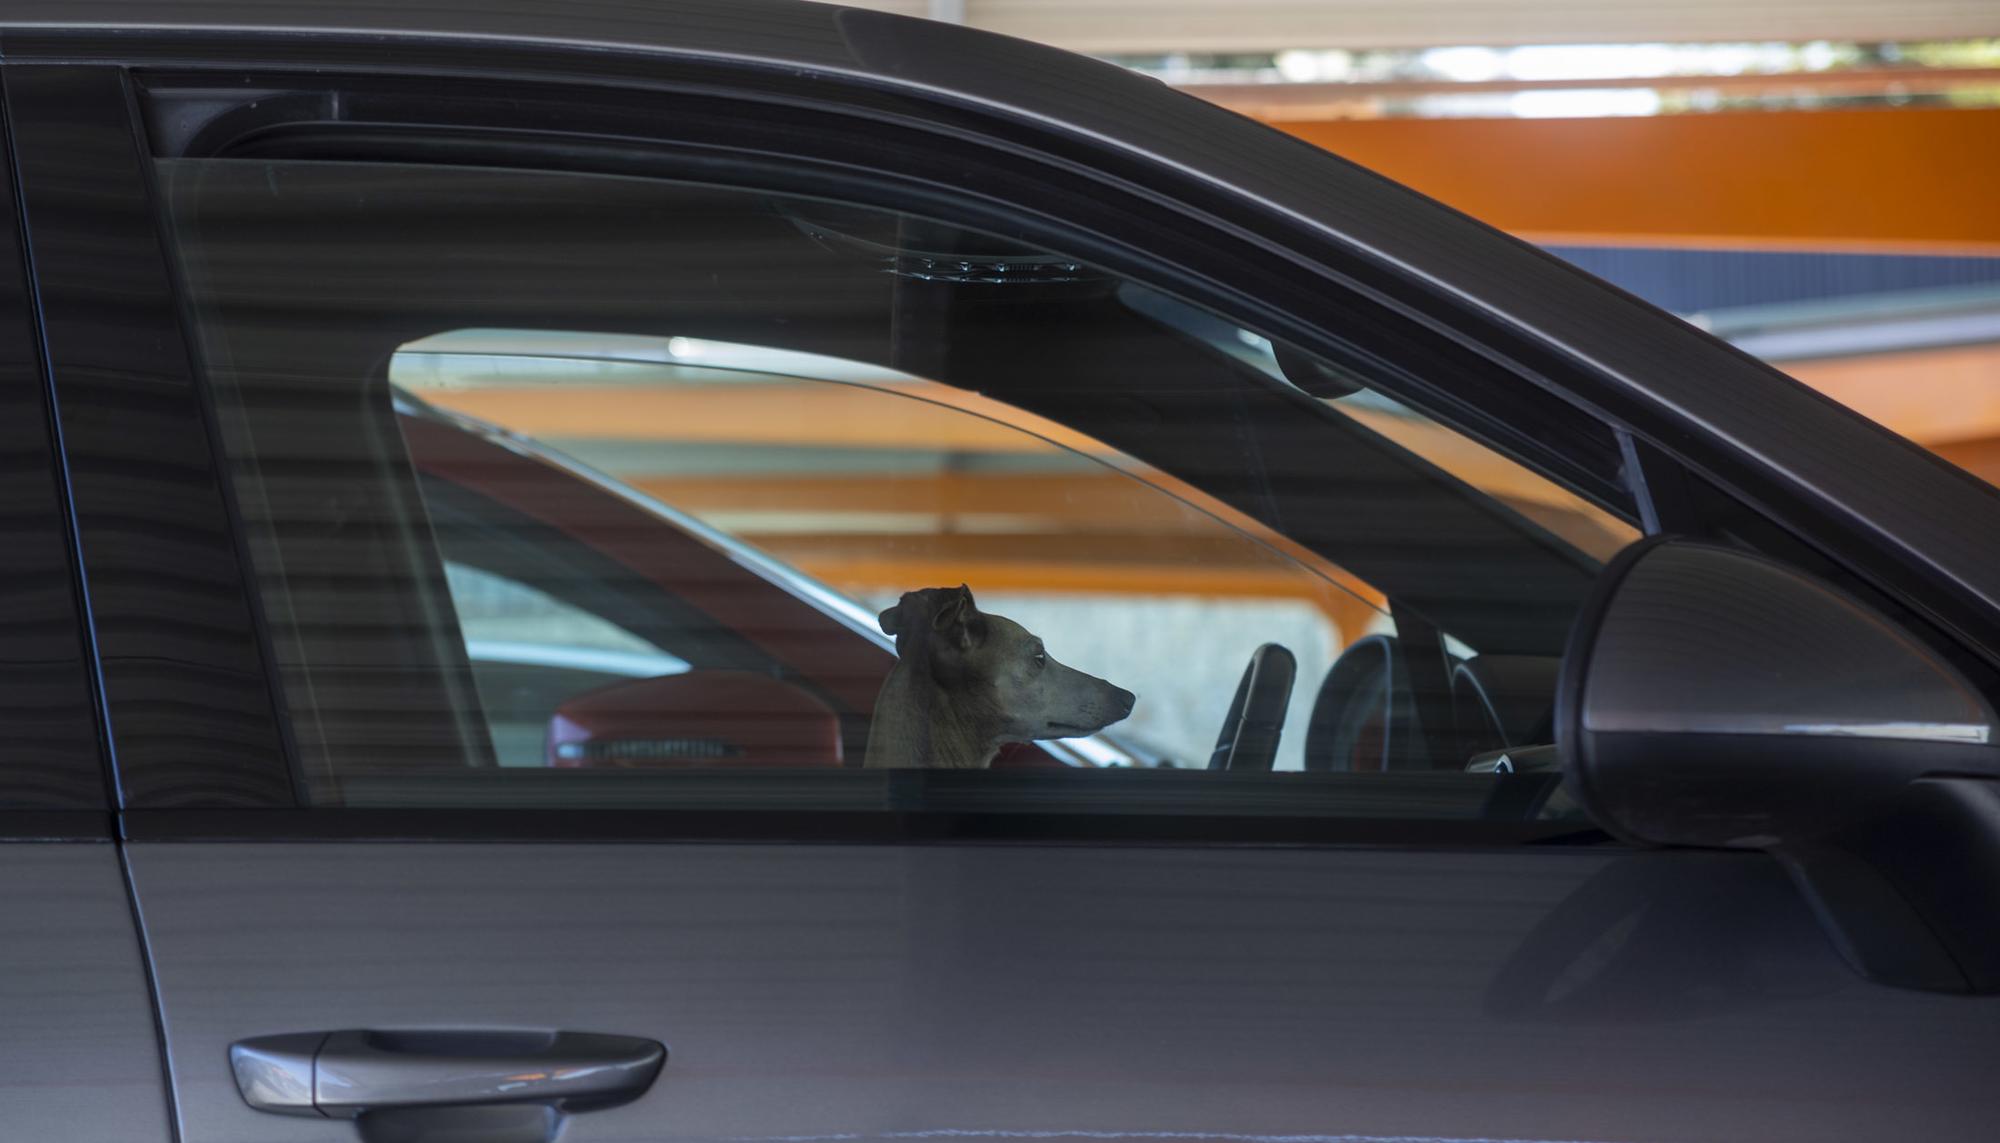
x=79 y=1051
x=338 y=884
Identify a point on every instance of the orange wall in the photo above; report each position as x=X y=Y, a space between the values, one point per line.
x=1915 y=180
x=1898 y=178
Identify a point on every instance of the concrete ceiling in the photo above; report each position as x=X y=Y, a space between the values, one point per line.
x=1106 y=27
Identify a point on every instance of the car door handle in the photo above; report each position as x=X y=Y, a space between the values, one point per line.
x=407 y=1086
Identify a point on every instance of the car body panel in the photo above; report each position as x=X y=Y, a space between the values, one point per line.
x=79 y=1052
x=869 y=992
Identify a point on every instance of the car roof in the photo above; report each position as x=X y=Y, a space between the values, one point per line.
x=1670 y=380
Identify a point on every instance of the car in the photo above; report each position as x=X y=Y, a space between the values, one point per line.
x=1580 y=730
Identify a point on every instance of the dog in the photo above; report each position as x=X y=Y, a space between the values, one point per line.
x=966 y=683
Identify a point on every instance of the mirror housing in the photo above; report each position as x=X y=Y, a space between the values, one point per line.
x=1713 y=697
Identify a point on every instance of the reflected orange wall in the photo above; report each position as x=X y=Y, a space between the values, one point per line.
x=1076 y=531
x=1071 y=532
x=1898 y=178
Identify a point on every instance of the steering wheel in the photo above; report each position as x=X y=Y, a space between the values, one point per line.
x=1249 y=738
x=1359 y=720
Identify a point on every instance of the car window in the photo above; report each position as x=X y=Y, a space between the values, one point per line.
x=1547 y=503
x=924 y=484
x=618 y=480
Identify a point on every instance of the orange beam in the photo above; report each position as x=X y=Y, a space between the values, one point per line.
x=1980 y=457
x=999 y=520
x=1350 y=611
x=917 y=415
x=1912 y=179
x=845 y=416
x=1075 y=499
x=1077 y=503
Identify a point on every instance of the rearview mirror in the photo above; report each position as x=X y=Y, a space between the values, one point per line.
x=1711 y=697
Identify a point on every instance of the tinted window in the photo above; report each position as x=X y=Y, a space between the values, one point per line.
x=632 y=484
x=48 y=720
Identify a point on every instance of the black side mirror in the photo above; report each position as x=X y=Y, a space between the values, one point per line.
x=1711 y=697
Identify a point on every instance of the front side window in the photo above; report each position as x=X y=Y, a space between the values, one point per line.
x=640 y=485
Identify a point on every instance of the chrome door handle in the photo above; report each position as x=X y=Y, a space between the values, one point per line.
x=407 y=1086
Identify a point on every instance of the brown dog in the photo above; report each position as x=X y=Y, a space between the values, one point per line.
x=965 y=683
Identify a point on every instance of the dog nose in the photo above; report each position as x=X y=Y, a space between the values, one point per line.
x=1125 y=700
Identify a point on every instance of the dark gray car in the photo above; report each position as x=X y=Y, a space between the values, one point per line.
x=1646 y=791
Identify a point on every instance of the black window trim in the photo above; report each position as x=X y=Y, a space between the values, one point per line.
x=722 y=148
x=44 y=489
x=844 y=827
x=153 y=525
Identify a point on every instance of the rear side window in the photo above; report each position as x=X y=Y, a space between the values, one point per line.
x=572 y=490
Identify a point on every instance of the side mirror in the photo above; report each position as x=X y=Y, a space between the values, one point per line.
x=1711 y=697
x=701 y=719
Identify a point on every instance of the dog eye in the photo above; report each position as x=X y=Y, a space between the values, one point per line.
x=1041 y=657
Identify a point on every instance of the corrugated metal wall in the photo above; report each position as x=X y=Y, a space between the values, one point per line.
x=1695 y=281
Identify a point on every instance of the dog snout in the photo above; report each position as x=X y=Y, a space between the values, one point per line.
x=1122 y=701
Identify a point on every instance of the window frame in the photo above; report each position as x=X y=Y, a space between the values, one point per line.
x=109 y=100
x=1526 y=403
x=1456 y=366
x=1214 y=414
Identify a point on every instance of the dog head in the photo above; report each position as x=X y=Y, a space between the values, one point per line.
x=996 y=671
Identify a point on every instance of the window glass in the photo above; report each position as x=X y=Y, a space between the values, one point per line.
x=581 y=490
x=866 y=482
x=1547 y=503
x=529 y=651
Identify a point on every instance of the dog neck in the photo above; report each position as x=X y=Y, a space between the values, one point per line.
x=918 y=724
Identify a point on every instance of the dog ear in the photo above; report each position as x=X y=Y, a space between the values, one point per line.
x=957 y=619
x=891 y=618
